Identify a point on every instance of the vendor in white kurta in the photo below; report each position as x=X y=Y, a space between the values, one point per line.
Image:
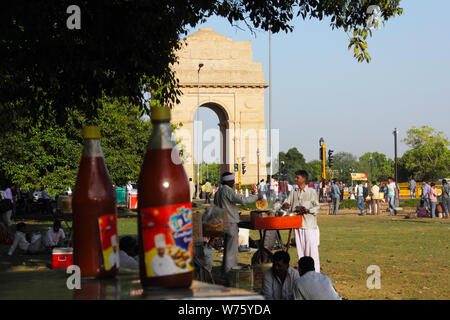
x=305 y=201
x=162 y=264
x=227 y=199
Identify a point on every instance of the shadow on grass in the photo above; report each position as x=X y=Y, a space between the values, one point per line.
x=20 y=261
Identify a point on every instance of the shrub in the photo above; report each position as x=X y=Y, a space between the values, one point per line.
x=348 y=204
x=410 y=203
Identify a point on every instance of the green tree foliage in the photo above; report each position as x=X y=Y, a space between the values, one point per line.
x=315 y=170
x=377 y=164
x=126 y=45
x=48 y=153
x=39 y=153
x=293 y=161
x=429 y=156
x=344 y=164
x=210 y=171
x=124 y=139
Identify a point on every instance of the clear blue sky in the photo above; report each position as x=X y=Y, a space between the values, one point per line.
x=320 y=90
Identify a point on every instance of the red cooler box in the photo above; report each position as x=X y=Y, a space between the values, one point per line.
x=62 y=258
x=133 y=200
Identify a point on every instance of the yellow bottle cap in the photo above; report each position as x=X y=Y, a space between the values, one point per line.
x=91 y=132
x=160 y=113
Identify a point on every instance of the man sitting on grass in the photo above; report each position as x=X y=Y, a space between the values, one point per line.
x=55 y=236
x=278 y=282
x=422 y=210
x=313 y=285
x=33 y=245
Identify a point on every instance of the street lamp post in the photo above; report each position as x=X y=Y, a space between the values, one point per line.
x=395 y=160
x=257 y=159
x=270 y=105
x=200 y=65
x=371 y=171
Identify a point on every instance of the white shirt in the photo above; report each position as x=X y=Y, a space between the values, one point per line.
x=129 y=187
x=261 y=186
x=315 y=286
x=307 y=198
x=19 y=240
x=391 y=189
x=127 y=262
x=52 y=238
x=290 y=187
x=273 y=289
x=375 y=192
x=114 y=260
x=163 y=266
x=226 y=198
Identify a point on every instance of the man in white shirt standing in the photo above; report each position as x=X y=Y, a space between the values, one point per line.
x=375 y=198
x=392 y=194
x=305 y=201
x=313 y=285
x=226 y=198
x=278 y=282
x=191 y=188
x=262 y=187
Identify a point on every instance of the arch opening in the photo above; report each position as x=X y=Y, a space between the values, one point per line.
x=211 y=122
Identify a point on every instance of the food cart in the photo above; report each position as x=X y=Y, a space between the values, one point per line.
x=262 y=221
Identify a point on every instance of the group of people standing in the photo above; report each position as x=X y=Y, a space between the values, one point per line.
x=206 y=190
x=429 y=198
x=366 y=195
x=275 y=190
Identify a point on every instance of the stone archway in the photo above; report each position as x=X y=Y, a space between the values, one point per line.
x=231 y=85
x=223 y=137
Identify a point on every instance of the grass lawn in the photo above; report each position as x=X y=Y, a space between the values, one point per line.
x=413 y=255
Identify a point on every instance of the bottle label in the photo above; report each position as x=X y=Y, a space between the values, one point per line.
x=109 y=241
x=167 y=238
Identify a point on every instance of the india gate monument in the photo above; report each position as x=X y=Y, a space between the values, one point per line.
x=230 y=84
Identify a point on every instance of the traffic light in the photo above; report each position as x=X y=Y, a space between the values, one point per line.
x=243 y=167
x=330 y=158
x=236 y=167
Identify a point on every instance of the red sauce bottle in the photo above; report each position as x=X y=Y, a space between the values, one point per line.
x=165 y=215
x=96 y=243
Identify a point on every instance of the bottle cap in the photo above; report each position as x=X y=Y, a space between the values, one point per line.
x=91 y=132
x=160 y=113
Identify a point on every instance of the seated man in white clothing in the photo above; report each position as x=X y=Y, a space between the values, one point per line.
x=312 y=285
x=20 y=240
x=55 y=236
x=278 y=282
x=128 y=252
